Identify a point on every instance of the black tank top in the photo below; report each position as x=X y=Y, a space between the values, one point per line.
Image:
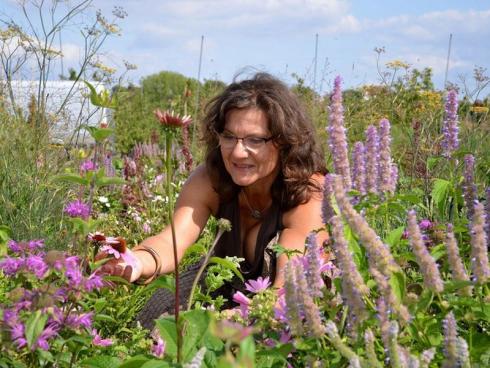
x=230 y=245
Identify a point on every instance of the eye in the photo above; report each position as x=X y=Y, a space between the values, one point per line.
x=254 y=141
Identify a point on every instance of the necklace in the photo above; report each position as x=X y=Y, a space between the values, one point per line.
x=255 y=213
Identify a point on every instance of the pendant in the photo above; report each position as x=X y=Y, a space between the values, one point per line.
x=256 y=214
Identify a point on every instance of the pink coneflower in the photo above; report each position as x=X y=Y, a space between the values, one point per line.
x=172 y=119
x=256 y=286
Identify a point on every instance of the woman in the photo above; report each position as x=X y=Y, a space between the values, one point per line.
x=263 y=171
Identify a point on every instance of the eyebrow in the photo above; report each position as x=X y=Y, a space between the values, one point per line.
x=256 y=135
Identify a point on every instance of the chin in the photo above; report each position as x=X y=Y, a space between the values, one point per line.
x=243 y=181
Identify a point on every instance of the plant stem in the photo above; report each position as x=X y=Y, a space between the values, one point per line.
x=168 y=164
x=203 y=266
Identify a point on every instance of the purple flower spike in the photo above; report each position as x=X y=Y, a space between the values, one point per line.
x=359 y=168
x=479 y=250
x=313 y=268
x=450 y=128
x=455 y=263
x=353 y=286
x=337 y=139
x=487 y=213
x=372 y=159
x=78 y=209
x=256 y=286
x=385 y=160
x=427 y=264
x=327 y=209
x=469 y=187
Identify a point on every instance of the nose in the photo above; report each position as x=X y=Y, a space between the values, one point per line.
x=239 y=149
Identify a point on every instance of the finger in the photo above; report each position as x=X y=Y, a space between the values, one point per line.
x=128 y=271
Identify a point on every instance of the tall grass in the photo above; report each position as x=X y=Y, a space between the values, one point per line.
x=30 y=203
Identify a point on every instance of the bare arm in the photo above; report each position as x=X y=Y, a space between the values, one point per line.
x=196 y=202
x=298 y=223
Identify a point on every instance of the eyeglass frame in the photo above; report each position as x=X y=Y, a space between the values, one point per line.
x=249 y=149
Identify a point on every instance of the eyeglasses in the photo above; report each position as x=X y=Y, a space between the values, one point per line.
x=251 y=144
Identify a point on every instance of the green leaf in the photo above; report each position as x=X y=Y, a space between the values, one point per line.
x=79 y=225
x=100 y=361
x=227 y=264
x=280 y=250
x=34 y=326
x=155 y=363
x=163 y=281
x=440 y=193
x=394 y=236
x=166 y=326
x=196 y=329
x=438 y=251
x=453 y=285
x=101 y=99
x=398 y=285
x=247 y=351
x=71 y=178
x=106 y=180
x=98 y=134
x=134 y=362
x=432 y=162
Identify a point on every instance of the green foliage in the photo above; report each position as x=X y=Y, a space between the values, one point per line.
x=31 y=204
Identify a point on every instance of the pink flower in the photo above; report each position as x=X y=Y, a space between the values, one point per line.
x=99 y=341
x=158 y=349
x=172 y=119
x=256 y=286
x=243 y=301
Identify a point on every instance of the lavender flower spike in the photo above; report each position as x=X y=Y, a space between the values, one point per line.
x=469 y=187
x=311 y=311
x=378 y=253
x=372 y=360
x=450 y=341
x=294 y=309
x=327 y=208
x=450 y=129
x=359 y=168
x=337 y=139
x=353 y=286
x=386 y=291
x=372 y=159
x=385 y=161
x=313 y=273
x=487 y=213
x=427 y=264
x=394 y=178
x=479 y=255
x=455 y=263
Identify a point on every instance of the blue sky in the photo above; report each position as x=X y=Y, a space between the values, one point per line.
x=278 y=36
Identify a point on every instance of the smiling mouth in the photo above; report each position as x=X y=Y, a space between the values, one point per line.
x=242 y=166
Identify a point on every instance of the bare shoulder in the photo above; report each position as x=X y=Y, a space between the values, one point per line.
x=308 y=214
x=199 y=189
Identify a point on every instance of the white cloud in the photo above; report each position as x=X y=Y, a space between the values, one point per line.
x=347 y=24
x=158 y=30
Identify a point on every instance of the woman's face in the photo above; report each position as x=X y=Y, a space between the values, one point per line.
x=257 y=163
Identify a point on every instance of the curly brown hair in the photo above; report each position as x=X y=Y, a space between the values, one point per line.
x=300 y=154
